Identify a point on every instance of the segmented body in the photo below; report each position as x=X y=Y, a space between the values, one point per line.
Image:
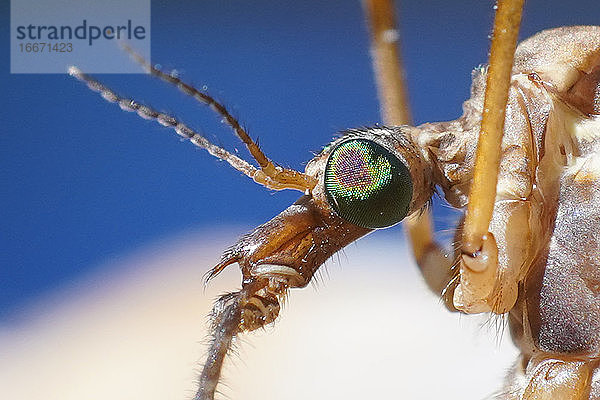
x=556 y=322
x=545 y=269
x=546 y=214
x=539 y=261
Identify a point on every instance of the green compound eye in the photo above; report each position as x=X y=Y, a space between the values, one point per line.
x=367 y=185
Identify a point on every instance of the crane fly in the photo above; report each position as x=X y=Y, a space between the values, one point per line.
x=522 y=161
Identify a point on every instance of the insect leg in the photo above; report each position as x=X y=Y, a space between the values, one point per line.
x=483 y=188
x=484 y=284
x=489 y=281
x=395 y=110
x=389 y=72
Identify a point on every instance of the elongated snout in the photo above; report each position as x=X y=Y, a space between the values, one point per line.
x=293 y=245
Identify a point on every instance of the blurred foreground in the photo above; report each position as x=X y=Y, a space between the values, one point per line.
x=136 y=330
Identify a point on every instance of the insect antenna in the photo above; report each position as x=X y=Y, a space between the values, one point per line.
x=270 y=175
x=164 y=119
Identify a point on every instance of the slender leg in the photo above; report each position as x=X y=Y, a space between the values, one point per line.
x=395 y=110
x=489 y=278
x=436 y=264
x=487 y=163
x=389 y=72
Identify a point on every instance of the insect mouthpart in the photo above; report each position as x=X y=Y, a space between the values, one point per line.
x=290 y=248
x=276 y=271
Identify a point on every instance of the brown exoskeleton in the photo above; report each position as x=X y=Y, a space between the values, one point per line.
x=537 y=255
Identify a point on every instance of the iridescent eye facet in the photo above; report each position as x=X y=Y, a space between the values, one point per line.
x=367 y=185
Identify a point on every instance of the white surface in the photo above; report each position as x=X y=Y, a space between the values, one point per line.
x=136 y=331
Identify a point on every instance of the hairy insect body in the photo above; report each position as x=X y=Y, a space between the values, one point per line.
x=542 y=256
x=556 y=319
x=540 y=260
x=565 y=315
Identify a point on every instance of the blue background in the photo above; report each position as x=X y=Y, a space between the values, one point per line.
x=83 y=182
